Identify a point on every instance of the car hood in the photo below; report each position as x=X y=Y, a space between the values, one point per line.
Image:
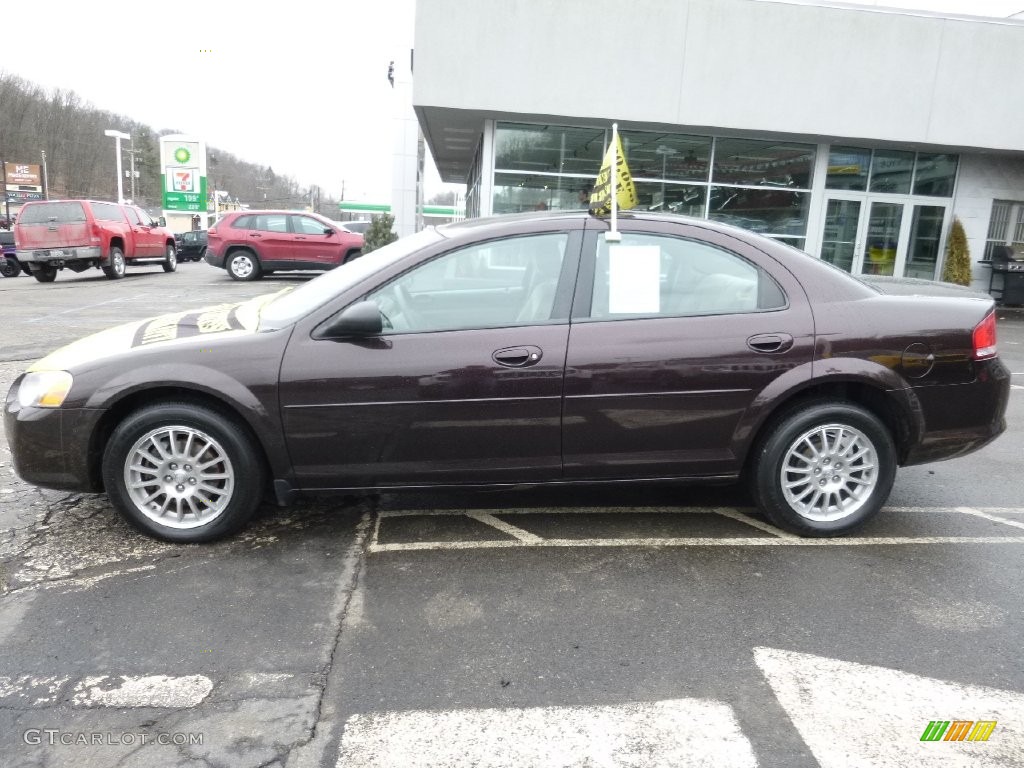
x=911 y=286
x=205 y=325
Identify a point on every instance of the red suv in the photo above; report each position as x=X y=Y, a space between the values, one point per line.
x=250 y=244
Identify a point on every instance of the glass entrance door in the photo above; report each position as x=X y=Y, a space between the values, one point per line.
x=839 y=236
x=925 y=235
x=882 y=239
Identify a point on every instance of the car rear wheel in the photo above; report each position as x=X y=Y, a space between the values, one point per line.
x=170 y=262
x=201 y=256
x=45 y=273
x=243 y=265
x=115 y=264
x=352 y=256
x=9 y=267
x=824 y=468
x=182 y=472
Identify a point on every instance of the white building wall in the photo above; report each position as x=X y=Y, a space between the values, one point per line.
x=740 y=65
x=984 y=178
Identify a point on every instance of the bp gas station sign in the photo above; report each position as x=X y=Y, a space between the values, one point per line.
x=183 y=173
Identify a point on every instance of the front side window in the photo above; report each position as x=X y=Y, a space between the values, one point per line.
x=133 y=217
x=304 y=225
x=500 y=283
x=659 y=276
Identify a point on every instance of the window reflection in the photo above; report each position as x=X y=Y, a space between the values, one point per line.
x=675 y=157
x=934 y=175
x=774 y=212
x=848 y=168
x=763 y=163
x=891 y=170
x=548 y=148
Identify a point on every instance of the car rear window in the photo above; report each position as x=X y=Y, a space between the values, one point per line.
x=64 y=212
x=107 y=212
x=6 y=238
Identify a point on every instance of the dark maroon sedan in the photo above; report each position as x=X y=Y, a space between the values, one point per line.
x=525 y=350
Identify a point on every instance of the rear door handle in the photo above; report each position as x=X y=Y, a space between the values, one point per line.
x=518 y=357
x=770 y=342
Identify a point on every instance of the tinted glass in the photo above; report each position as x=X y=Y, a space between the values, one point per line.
x=6 y=238
x=669 y=156
x=244 y=222
x=489 y=285
x=891 y=171
x=848 y=168
x=548 y=148
x=934 y=175
x=64 y=212
x=773 y=212
x=763 y=163
x=133 y=216
x=654 y=275
x=272 y=222
x=107 y=212
x=304 y=225
x=677 y=198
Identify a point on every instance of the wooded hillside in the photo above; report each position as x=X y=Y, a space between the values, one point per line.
x=79 y=157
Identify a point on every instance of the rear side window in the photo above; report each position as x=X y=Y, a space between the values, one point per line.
x=656 y=275
x=107 y=212
x=243 y=222
x=64 y=212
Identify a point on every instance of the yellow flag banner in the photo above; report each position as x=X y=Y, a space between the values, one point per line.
x=625 y=191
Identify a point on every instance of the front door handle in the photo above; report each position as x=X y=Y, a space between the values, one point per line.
x=518 y=357
x=770 y=342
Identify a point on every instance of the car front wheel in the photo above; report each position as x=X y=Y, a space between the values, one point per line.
x=9 y=267
x=45 y=273
x=183 y=472
x=243 y=265
x=170 y=262
x=824 y=469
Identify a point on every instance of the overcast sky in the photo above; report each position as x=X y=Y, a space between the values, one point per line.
x=314 y=71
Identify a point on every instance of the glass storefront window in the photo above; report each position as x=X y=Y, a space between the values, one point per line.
x=925 y=235
x=891 y=170
x=670 y=156
x=548 y=148
x=848 y=168
x=775 y=212
x=763 y=163
x=519 y=192
x=687 y=199
x=934 y=175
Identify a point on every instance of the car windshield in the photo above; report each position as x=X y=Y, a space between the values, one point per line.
x=293 y=304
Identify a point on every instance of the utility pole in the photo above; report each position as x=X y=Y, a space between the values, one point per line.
x=46 y=179
x=131 y=153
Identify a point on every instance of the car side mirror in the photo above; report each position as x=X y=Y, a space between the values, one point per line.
x=328 y=231
x=162 y=221
x=361 y=320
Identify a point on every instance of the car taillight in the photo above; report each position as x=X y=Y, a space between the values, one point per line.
x=985 y=338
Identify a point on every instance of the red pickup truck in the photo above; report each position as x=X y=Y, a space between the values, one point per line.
x=79 y=234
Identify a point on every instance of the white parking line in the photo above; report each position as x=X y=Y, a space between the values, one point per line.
x=151 y=691
x=676 y=733
x=523 y=538
x=501 y=525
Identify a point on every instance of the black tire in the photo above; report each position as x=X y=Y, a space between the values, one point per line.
x=201 y=256
x=854 y=474
x=352 y=256
x=45 y=274
x=9 y=267
x=190 y=490
x=170 y=262
x=243 y=265
x=26 y=269
x=116 y=264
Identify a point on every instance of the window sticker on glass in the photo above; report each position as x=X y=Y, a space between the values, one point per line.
x=634 y=277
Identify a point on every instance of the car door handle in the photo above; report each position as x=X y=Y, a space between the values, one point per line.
x=770 y=342
x=518 y=357
x=255 y=234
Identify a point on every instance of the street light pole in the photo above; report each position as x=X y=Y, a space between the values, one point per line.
x=117 y=136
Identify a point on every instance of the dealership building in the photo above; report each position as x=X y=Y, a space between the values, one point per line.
x=856 y=133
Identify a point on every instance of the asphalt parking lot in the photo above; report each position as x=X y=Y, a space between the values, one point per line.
x=654 y=626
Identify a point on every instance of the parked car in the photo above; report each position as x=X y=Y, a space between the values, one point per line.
x=359 y=226
x=79 y=234
x=250 y=244
x=525 y=350
x=9 y=266
x=192 y=245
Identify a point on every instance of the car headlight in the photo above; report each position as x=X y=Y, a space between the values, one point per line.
x=44 y=389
